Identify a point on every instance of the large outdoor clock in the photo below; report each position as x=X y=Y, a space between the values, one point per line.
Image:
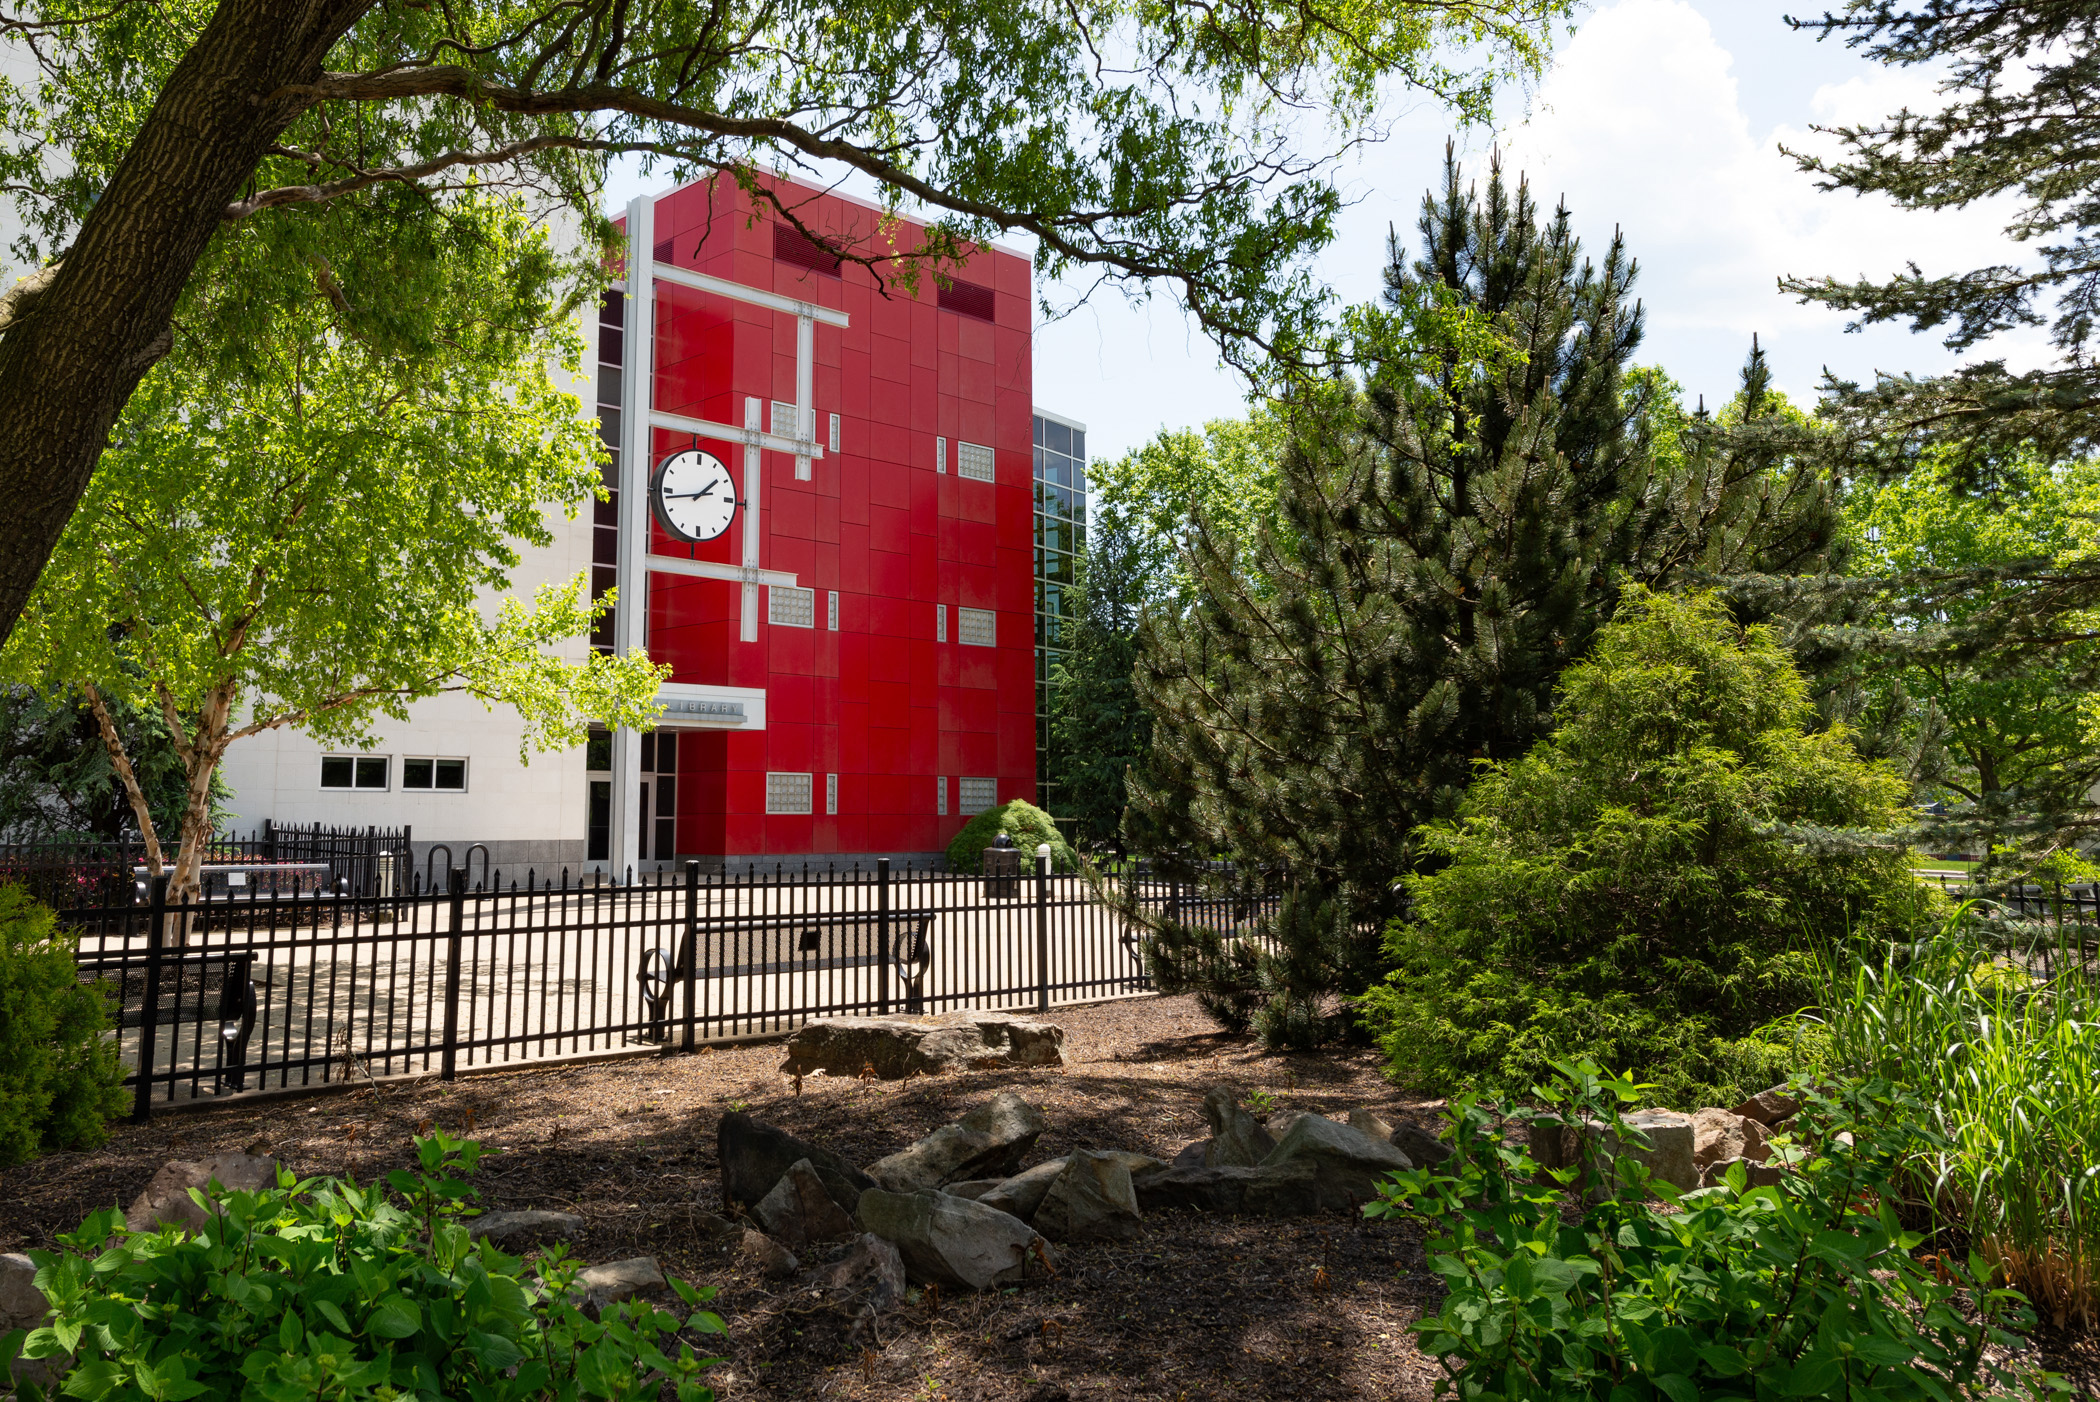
x=693 y=495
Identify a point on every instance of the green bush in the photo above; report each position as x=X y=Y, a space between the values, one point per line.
x=1646 y=886
x=323 y=1289
x=1810 y=1288
x=60 y=1077
x=1028 y=825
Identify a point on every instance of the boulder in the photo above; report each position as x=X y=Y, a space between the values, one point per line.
x=1419 y=1145
x=972 y=1188
x=714 y=1224
x=1349 y=1164
x=521 y=1231
x=989 y=1142
x=1237 y=1139
x=1769 y=1107
x=1279 y=1124
x=872 y=1272
x=1723 y=1134
x=1668 y=1154
x=898 y=1047
x=637 y=1278
x=1278 y=1190
x=1092 y=1200
x=1372 y=1123
x=1548 y=1141
x=22 y=1306
x=1023 y=1193
x=1193 y=1155
x=948 y=1240
x=799 y=1210
x=166 y=1200
x=754 y=1156
x=773 y=1260
x=1756 y=1174
x=1135 y=1162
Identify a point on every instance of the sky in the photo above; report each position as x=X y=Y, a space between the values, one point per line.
x=1661 y=118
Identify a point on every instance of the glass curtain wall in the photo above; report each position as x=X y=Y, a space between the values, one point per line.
x=1060 y=537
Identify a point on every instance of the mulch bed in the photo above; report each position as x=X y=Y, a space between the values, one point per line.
x=1197 y=1308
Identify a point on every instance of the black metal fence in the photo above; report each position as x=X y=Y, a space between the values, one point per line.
x=220 y=997
x=277 y=860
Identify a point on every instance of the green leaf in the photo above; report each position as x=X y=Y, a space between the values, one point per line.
x=1724 y=1360
x=1678 y=1387
x=394 y=1318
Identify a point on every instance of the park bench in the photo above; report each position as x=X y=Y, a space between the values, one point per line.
x=234 y=1008
x=736 y=946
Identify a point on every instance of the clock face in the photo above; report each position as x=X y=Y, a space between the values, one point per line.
x=693 y=495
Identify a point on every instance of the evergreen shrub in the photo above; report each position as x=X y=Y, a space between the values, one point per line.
x=60 y=1077
x=1647 y=886
x=1028 y=825
x=324 y=1289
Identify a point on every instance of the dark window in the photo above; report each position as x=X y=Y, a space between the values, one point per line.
x=371 y=771
x=666 y=839
x=605 y=546
x=1040 y=424
x=336 y=772
x=608 y=385
x=649 y=753
x=609 y=427
x=666 y=796
x=597 y=750
x=667 y=752
x=1057 y=438
x=969 y=299
x=353 y=771
x=603 y=581
x=610 y=349
x=612 y=308
x=415 y=773
x=791 y=245
x=600 y=818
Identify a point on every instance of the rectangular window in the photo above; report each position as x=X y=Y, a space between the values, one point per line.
x=354 y=771
x=831 y=794
x=792 y=246
x=785 y=424
x=831 y=611
x=940 y=795
x=834 y=433
x=976 y=795
x=940 y=455
x=977 y=627
x=791 y=608
x=448 y=775
x=974 y=461
x=940 y=623
x=597 y=750
x=787 y=793
x=969 y=298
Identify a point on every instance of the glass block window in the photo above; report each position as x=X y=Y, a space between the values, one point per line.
x=831 y=611
x=940 y=623
x=831 y=794
x=785 y=424
x=834 y=433
x=976 y=795
x=940 y=455
x=787 y=793
x=974 y=461
x=940 y=795
x=791 y=608
x=977 y=627
x=354 y=771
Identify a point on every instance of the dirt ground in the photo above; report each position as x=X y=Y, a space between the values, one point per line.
x=1197 y=1308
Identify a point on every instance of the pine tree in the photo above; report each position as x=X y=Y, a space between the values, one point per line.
x=2020 y=118
x=1098 y=728
x=1449 y=532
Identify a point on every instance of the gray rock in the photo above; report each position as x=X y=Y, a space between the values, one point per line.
x=972 y=1188
x=22 y=1306
x=1282 y=1190
x=989 y=1142
x=714 y=1224
x=799 y=1210
x=754 y=1156
x=1372 y=1123
x=1237 y=1139
x=898 y=1047
x=1769 y=1107
x=1136 y=1163
x=1420 y=1145
x=872 y=1274
x=775 y=1261
x=1759 y=1175
x=1192 y=1156
x=637 y=1278
x=1667 y=1154
x=1279 y=1124
x=521 y=1231
x=1722 y=1134
x=1023 y=1193
x=952 y=1241
x=166 y=1199
x=1092 y=1200
x=1349 y=1163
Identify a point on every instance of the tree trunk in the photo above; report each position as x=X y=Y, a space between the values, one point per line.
x=74 y=351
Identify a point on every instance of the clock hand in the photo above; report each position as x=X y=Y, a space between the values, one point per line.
x=689 y=496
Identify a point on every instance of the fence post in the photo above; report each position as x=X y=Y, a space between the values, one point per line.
x=450 y=1055
x=882 y=934
x=149 y=1011
x=1042 y=928
x=692 y=950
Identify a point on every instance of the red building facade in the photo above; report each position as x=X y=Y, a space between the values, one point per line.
x=853 y=655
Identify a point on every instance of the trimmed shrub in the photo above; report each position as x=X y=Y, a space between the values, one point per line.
x=1028 y=825
x=60 y=1077
x=1647 y=886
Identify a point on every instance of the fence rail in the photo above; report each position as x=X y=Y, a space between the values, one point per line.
x=222 y=997
x=275 y=859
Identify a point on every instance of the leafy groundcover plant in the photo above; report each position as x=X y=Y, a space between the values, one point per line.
x=324 y=1289
x=1562 y=1288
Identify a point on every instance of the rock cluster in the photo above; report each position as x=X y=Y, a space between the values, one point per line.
x=893 y=1048
x=1688 y=1151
